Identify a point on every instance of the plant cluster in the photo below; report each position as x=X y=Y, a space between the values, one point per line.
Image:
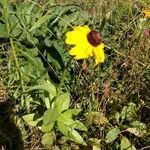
x=65 y=103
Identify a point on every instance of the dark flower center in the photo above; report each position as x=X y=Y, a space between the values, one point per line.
x=94 y=38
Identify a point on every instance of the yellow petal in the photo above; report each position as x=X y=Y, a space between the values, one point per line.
x=81 y=51
x=78 y=35
x=147 y=13
x=98 y=53
x=84 y=29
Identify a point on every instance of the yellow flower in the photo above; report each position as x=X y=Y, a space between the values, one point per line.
x=146 y=13
x=87 y=43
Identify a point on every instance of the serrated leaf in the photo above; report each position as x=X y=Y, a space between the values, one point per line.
x=40 y=22
x=112 y=135
x=62 y=102
x=31 y=120
x=126 y=144
x=47 y=139
x=70 y=133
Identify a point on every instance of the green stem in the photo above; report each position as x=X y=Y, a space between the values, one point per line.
x=6 y=16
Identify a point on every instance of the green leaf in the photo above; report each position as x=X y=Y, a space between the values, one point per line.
x=27 y=55
x=137 y=128
x=47 y=102
x=40 y=22
x=126 y=144
x=117 y=117
x=70 y=112
x=48 y=139
x=3 y=31
x=70 y=133
x=74 y=124
x=31 y=119
x=62 y=140
x=137 y=124
x=62 y=102
x=47 y=86
x=47 y=128
x=50 y=116
x=128 y=112
x=112 y=135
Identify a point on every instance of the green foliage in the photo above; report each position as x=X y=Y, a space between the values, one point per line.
x=71 y=104
x=57 y=116
x=126 y=144
x=47 y=139
x=112 y=135
x=129 y=112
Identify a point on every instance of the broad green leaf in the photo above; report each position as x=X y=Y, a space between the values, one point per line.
x=40 y=22
x=126 y=144
x=69 y=113
x=112 y=135
x=47 y=86
x=50 y=116
x=70 y=133
x=47 y=128
x=62 y=102
x=31 y=120
x=48 y=139
x=74 y=124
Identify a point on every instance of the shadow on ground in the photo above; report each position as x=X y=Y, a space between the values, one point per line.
x=10 y=135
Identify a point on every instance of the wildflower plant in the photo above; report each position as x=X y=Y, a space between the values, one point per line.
x=87 y=43
x=71 y=104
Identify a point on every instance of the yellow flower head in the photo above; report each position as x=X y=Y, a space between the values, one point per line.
x=87 y=43
x=146 y=13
